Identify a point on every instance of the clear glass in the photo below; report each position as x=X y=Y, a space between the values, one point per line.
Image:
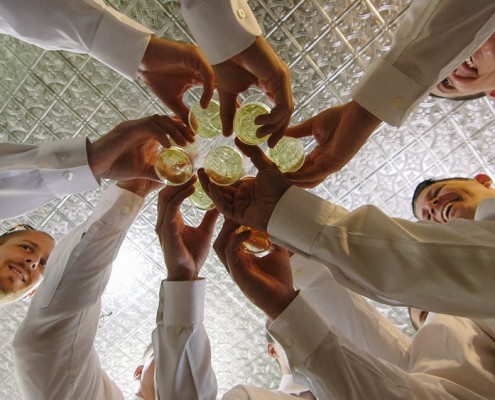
x=224 y=165
x=258 y=244
x=206 y=122
x=174 y=166
x=244 y=126
x=288 y=154
x=200 y=199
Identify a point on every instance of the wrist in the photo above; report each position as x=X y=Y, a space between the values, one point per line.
x=181 y=276
x=277 y=307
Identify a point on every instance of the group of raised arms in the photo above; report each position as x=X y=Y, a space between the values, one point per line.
x=330 y=343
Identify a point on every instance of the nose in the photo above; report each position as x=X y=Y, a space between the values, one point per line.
x=31 y=262
x=432 y=207
x=463 y=71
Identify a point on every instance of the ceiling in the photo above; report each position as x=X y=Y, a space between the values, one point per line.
x=328 y=45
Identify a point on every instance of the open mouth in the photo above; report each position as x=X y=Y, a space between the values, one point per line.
x=446 y=210
x=19 y=271
x=469 y=62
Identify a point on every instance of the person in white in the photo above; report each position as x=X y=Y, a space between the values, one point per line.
x=340 y=347
x=445 y=47
x=390 y=260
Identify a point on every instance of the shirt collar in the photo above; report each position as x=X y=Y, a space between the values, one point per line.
x=287 y=385
x=485 y=210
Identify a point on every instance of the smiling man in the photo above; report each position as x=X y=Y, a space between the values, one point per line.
x=475 y=77
x=24 y=252
x=444 y=200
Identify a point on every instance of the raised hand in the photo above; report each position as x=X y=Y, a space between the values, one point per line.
x=185 y=248
x=170 y=68
x=127 y=151
x=257 y=65
x=339 y=132
x=252 y=201
x=266 y=281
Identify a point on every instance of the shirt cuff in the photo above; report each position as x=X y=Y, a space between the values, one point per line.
x=222 y=28
x=64 y=167
x=291 y=329
x=398 y=94
x=297 y=219
x=182 y=303
x=120 y=43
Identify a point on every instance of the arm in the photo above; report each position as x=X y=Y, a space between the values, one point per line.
x=426 y=265
x=333 y=367
x=433 y=39
x=31 y=175
x=56 y=337
x=181 y=347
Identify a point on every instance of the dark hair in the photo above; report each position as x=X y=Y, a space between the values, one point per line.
x=428 y=182
x=461 y=98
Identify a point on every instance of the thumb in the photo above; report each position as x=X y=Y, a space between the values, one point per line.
x=257 y=156
x=301 y=130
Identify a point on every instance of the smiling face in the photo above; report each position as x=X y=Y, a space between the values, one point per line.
x=450 y=199
x=23 y=256
x=475 y=75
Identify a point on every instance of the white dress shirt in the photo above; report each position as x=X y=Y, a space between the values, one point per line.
x=433 y=39
x=445 y=268
x=342 y=348
x=31 y=175
x=54 y=352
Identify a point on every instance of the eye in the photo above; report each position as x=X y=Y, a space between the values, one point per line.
x=446 y=83
x=26 y=247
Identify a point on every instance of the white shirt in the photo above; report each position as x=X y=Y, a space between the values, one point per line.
x=54 y=352
x=393 y=260
x=31 y=175
x=433 y=39
x=342 y=348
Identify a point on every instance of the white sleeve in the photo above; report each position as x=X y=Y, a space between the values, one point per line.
x=333 y=368
x=222 y=28
x=181 y=345
x=56 y=337
x=31 y=175
x=433 y=38
x=350 y=314
x=81 y=26
x=445 y=268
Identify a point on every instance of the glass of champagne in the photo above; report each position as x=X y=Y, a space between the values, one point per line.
x=174 y=166
x=288 y=154
x=200 y=199
x=258 y=244
x=206 y=122
x=224 y=165
x=244 y=126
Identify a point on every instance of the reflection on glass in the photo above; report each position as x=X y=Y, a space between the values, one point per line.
x=190 y=148
x=174 y=166
x=206 y=122
x=258 y=244
x=244 y=126
x=224 y=165
x=200 y=199
x=288 y=154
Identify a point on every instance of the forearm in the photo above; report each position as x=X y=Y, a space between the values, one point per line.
x=222 y=28
x=79 y=26
x=32 y=175
x=434 y=38
x=419 y=264
x=334 y=368
x=181 y=345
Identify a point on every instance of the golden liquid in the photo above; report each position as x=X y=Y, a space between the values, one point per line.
x=288 y=154
x=174 y=166
x=224 y=165
x=200 y=199
x=206 y=122
x=258 y=244
x=244 y=125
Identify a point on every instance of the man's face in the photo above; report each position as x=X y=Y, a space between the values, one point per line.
x=22 y=261
x=451 y=199
x=146 y=375
x=475 y=75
